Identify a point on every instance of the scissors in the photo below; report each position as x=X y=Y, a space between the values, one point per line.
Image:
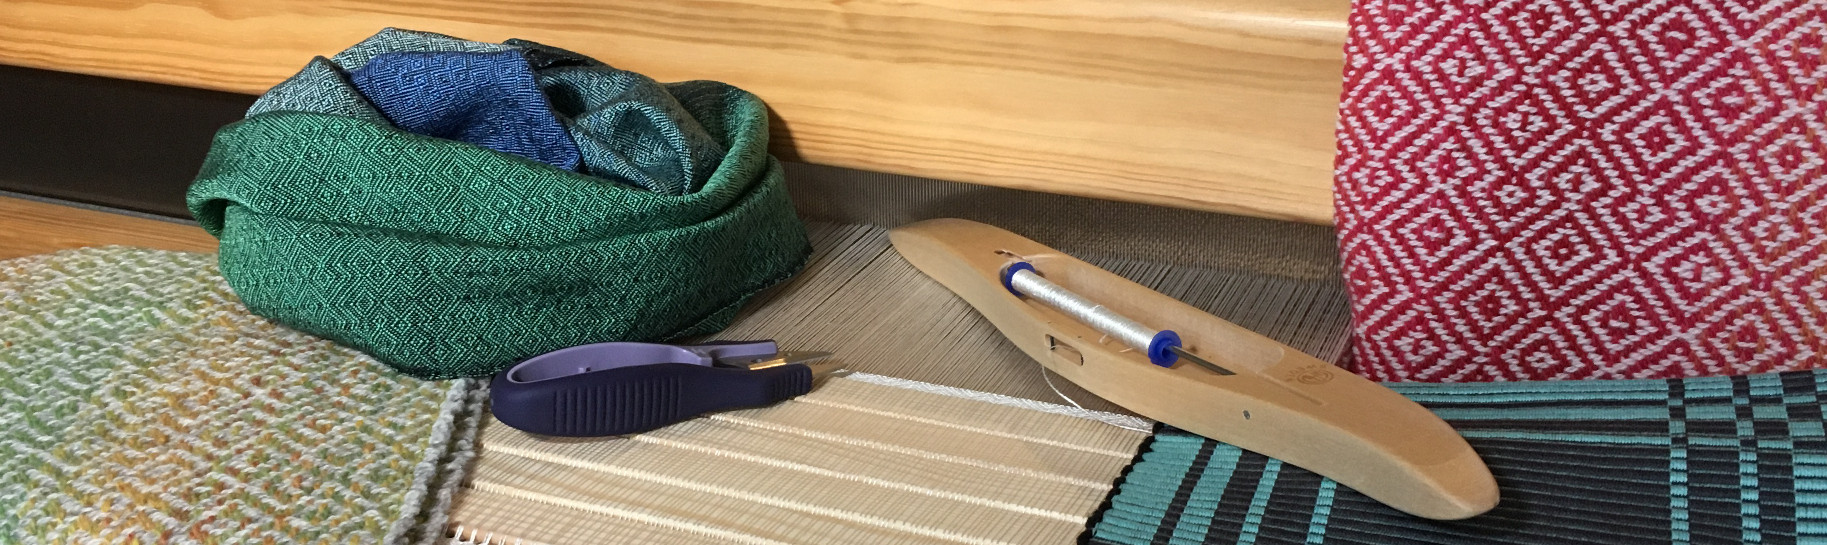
x=619 y=388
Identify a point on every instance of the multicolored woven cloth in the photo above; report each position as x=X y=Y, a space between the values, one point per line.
x=1707 y=460
x=459 y=253
x=140 y=403
x=1565 y=189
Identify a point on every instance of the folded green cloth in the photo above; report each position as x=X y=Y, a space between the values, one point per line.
x=446 y=259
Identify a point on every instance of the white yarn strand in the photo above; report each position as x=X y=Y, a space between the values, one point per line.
x=1091 y=314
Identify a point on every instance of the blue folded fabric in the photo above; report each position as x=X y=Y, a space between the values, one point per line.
x=487 y=99
x=624 y=127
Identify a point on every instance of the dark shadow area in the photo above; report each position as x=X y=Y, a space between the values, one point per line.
x=105 y=141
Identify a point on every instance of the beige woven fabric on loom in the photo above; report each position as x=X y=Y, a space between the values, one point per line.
x=859 y=299
x=926 y=462
x=854 y=461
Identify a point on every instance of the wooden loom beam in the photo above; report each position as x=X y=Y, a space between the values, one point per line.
x=32 y=227
x=1212 y=105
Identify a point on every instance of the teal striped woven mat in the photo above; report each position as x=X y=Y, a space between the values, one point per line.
x=1704 y=460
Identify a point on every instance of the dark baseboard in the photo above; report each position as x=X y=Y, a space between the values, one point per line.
x=108 y=142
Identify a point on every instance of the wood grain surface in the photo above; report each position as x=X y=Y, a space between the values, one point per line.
x=1224 y=105
x=1278 y=402
x=32 y=227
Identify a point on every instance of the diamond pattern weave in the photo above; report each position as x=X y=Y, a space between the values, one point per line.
x=141 y=403
x=1565 y=189
x=445 y=259
x=487 y=99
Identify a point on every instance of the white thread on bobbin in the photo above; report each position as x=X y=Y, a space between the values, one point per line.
x=1093 y=315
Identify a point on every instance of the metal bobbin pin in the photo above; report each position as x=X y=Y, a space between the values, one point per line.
x=1163 y=347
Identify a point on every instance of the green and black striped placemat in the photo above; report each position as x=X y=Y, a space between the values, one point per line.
x=1703 y=460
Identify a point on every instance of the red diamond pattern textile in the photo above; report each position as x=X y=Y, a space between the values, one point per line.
x=1575 y=189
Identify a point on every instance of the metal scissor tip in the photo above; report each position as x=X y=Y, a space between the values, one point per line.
x=820 y=362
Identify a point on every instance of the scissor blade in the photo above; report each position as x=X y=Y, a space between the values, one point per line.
x=802 y=357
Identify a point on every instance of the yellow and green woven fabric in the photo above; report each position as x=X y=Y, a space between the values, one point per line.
x=141 y=403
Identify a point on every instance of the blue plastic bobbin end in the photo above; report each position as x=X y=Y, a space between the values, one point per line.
x=1008 y=277
x=1158 y=352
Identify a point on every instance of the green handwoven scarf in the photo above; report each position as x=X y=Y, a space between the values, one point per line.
x=445 y=259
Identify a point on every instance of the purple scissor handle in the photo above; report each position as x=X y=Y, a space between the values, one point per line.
x=629 y=387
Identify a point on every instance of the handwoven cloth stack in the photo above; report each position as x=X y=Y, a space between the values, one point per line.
x=451 y=207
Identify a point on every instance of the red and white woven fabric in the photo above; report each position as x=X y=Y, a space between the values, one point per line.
x=1564 y=189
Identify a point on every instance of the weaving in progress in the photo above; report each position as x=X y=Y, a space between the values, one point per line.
x=499 y=292
x=1268 y=397
x=862 y=459
x=1029 y=470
